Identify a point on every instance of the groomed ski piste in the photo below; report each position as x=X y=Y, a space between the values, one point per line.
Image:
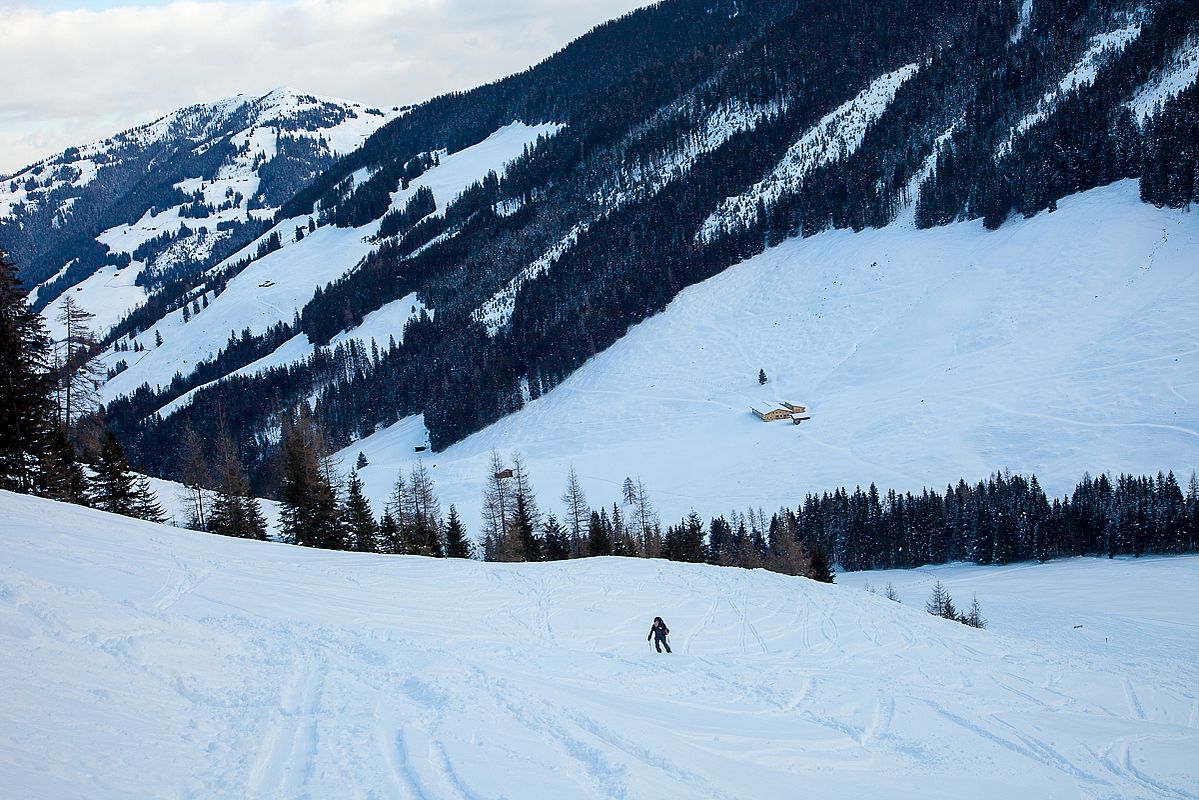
x=147 y=661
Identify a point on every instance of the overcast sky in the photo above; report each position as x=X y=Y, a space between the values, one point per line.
x=75 y=72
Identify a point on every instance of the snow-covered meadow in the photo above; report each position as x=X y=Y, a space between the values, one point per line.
x=1056 y=345
x=147 y=661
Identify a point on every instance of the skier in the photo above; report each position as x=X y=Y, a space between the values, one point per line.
x=658 y=632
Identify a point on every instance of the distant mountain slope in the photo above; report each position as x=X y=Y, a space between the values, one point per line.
x=148 y=661
x=161 y=198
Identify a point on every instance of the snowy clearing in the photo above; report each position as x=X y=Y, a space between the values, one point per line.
x=455 y=172
x=148 y=661
x=1180 y=73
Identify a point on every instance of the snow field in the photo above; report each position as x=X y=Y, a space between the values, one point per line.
x=291 y=275
x=455 y=172
x=1179 y=74
x=109 y=293
x=149 y=661
x=1056 y=345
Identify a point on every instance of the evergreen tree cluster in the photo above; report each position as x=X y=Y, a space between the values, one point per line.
x=43 y=395
x=1005 y=519
x=940 y=604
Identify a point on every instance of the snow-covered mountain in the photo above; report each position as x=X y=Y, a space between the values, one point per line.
x=148 y=661
x=157 y=201
x=453 y=281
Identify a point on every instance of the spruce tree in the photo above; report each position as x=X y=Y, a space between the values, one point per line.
x=113 y=488
x=361 y=529
x=821 y=570
x=145 y=504
x=457 y=544
x=309 y=514
x=599 y=543
x=389 y=534
x=522 y=531
x=26 y=411
x=60 y=474
x=556 y=540
x=233 y=511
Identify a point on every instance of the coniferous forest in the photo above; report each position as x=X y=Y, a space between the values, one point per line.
x=637 y=235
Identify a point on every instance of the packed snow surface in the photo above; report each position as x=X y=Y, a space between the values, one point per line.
x=148 y=661
x=1056 y=345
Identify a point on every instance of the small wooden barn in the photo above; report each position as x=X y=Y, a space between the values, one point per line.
x=771 y=412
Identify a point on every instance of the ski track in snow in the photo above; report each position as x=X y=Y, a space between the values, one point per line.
x=149 y=661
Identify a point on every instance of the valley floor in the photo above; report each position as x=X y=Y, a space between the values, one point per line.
x=146 y=661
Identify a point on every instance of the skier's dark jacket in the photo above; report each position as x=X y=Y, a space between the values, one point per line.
x=658 y=629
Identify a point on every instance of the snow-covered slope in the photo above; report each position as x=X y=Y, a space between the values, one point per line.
x=1179 y=73
x=151 y=662
x=1058 y=344
x=1103 y=46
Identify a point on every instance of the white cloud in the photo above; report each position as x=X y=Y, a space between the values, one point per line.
x=73 y=76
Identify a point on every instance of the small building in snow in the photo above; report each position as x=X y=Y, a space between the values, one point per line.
x=772 y=412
